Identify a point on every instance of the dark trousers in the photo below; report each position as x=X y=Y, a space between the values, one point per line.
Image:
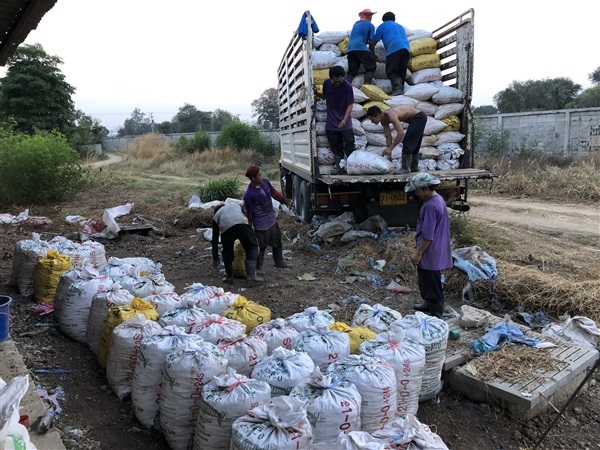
x=271 y=237
x=244 y=233
x=411 y=143
x=355 y=59
x=430 y=285
x=396 y=64
x=341 y=142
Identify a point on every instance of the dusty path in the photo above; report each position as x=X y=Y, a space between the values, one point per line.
x=113 y=158
x=569 y=219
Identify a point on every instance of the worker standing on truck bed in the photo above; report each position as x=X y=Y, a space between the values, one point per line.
x=358 y=51
x=339 y=96
x=259 y=209
x=397 y=50
x=411 y=140
x=433 y=246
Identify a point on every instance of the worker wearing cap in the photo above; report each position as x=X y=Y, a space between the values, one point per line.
x=397 y=50
x=261 y=215
x=433 y=247
x=358 y=51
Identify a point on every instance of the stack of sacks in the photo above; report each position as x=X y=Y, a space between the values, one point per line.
x=425 y=92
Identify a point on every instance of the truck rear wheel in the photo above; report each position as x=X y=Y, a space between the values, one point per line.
x=285 y=182
x=304 y=207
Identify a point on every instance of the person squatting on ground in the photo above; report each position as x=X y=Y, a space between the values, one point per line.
x=411 y=140
x=261 y=215
x=397 y=50
x=231 y=223
x=433 y=246
x=339 y=96
x=358 y=51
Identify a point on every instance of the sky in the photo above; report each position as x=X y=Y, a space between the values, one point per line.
x=158 y=55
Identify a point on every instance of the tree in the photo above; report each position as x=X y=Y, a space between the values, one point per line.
x=266 y=107
x=590 y=98
x=34 y=94
x=86 y=131
x=536 y=95
x=189 y=120
x=137 y=124
x=220 y=119
x=594 y=77
x=485 y=110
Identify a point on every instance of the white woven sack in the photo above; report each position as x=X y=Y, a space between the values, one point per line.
x=145 y=264
x=321 y=116
x=154 y=284
x=149 y=364
x=447 y=164
x=323 y=345
x=76 y=306
x=376 y=381
x=378 y=317
x=449 y=109
x=421 y=92
x=375 y=149
x=358 y=111
x=384 y=84
x=283 y=370
x=281 y=424
x=320 y=129
x=451 y=150
x=429 y=140
x=360 y=143
x=428 y=108
x=332 y=404
x=379 y=70
x=127 y=282
x=276 y=333
x=357 y=127
x=317 y=41
x=358 y=81
x=376 y=139
x=432 y=333
x=426 y=165
x=243 y=352
x=224 y=399
x=122 y=354
x=163 y=302
x=332 y=37
x=419 y=34
x=213 y=328
x=309 y=319
x=365 y=163
x=446 y=137
x=67 y=279
x=218 y=303
x=101 y=304
x=358 y=440
x=401 y=100
x=328 y=46
x=326 y=169
x=408 y=361
x=183 y=378
x=370 y=126
x=397 y=152
x=410 y=434
x=448 y=94
x=380 y=52
x=32 y=251
x=342 y=61
x=92 y=251
x=325 y=156
x=359 y=96
x=433 y=126
x=429 y=153
x=186 y=316
x=200 y=293
x=426 y=75
x=323 y=59
x=20 y=254
x=321 y=105
x=322 y=141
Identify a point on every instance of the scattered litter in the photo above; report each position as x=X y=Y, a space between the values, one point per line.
x=378 y=265
x=315 y=246
x=25 y=220
x=525 y=394
x=393 y=286
x=49 y=325
x=536 y=320
x=578 y=329
x=54 y=371
x=355 y=300
x=471 y=369
x=15 y=220
x=34 y=333
x=194 y=202
x=80 y=220
x=106 y=227
x=52 y=397
x=44 y=422
x=306 y=277
x=503 y=333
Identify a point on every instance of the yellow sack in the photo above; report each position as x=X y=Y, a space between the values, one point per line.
x=239 y=260
x=357 y=335
x=343 y=46
x=381 y=105
x=453 y=123
x=249 y=313
x=46 y=275
x=428 y=61
x=319 y=76
x=422 y=46
x=374 y=93
x=116 y=316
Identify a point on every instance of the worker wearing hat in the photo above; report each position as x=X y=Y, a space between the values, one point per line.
x=433 y=251
x=358 y=51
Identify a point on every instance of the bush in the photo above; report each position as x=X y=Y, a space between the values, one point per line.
x=219 y=189
x=197 y=143
x=241 y=136
x=38 y=169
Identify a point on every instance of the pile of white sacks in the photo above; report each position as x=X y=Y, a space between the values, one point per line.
x=440 y=147
x=209 y=381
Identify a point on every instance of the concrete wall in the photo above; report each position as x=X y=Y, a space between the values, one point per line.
x=568 y=132
x=112 y=144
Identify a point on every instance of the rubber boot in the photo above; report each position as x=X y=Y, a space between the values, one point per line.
x=349 y=78
x=278 y=257
x=414 y=163
x=397 y=86
x=437 y=308
x=259 y=263
x=423 y=307
x=251 y=272
x=228 y=273
x=368 y=78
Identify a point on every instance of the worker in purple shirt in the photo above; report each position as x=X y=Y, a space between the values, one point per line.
x=433 y=251
x=259 y=209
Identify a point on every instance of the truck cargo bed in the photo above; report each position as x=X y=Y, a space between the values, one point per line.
x=444 y=175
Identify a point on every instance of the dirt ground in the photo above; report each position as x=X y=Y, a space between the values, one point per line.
x=94 y=418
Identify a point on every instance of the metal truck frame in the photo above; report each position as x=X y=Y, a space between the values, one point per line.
x=367 y=195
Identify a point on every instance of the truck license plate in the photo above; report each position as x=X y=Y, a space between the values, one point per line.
x=392 y=198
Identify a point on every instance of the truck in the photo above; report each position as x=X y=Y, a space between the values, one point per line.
x=366 y=195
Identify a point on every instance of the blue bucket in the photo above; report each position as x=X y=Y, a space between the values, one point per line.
x=4 y=316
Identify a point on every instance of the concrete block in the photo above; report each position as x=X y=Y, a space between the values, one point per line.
x=473 y=318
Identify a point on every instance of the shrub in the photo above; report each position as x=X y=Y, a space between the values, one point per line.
x=219 y=189
x=241 y=136
x=38 y=169
x=201 y=141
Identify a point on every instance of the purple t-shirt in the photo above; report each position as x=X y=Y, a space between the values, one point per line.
x=338 y=99
x=258 y=201
x=434 y=226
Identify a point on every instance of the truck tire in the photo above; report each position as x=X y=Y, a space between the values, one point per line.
x=304 y=207
x=285 y=182
x=296 y=191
